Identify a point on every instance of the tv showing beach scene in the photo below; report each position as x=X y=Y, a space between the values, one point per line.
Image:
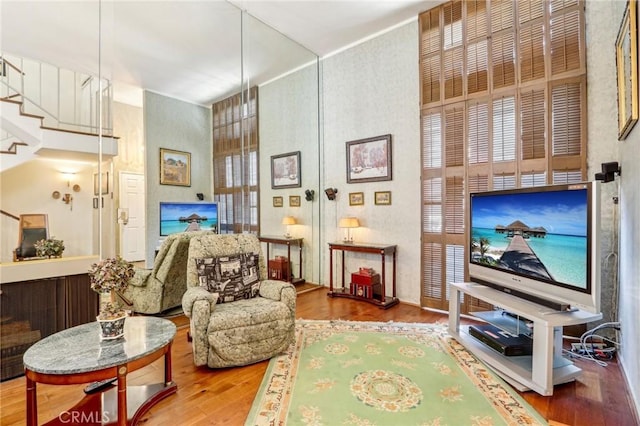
x=542 y=235
x=185 y=217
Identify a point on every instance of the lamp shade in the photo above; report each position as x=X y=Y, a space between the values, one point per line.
x=349 y=222
x=288 y=220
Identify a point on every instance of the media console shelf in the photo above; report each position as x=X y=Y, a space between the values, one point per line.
x=546 y=366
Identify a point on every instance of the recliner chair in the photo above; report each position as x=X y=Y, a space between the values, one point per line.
x=239 y=332
x=152 y=291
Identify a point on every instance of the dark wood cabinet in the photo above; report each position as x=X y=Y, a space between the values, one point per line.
x=32 y=310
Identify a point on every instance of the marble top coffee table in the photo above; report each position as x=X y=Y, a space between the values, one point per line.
x=77 y=355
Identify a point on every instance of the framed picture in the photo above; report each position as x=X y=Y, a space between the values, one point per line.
x=278 y=201
x=382 y=198
x=627 y=70
x=105 y=184
x=356 y=198
x=175 y=167
x=294 y=201
x=369 y=160
x=285 y=170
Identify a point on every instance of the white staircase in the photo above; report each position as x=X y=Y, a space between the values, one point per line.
x=36 y=141
x=61 y=125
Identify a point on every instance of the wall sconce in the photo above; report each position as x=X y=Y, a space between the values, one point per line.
x=348 y=223
x=331 y=193
x=308 y=194
x=288 y=220
x=68 y=176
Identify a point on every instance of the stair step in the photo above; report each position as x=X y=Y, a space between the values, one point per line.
x=13 y=149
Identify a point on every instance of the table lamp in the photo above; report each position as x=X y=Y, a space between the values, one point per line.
x=348 y=223
x=288 y=220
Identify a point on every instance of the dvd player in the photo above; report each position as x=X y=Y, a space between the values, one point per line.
x=501 y=341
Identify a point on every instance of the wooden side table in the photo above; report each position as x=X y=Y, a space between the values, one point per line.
x=288 y=242
x=77 y=355
x=383 y=250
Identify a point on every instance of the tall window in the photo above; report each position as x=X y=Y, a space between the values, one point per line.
x=503 y=106
x=235 y=162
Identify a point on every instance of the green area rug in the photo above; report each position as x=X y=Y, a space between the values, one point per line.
x=395 y=374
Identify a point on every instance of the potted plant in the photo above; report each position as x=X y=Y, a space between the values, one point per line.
x=49 y=247
x=109 y=277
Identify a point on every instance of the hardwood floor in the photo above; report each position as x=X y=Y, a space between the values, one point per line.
x=224 y=396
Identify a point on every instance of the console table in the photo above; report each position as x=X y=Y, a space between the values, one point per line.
x=288 y=242
x=383 y=250
x=77 y=355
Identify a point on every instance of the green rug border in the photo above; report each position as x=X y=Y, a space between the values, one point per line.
x=441 y=327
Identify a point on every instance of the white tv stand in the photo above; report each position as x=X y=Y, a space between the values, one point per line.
x=538 y=372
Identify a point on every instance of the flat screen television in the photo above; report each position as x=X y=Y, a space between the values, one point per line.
x=188 y=216
x=539 y=243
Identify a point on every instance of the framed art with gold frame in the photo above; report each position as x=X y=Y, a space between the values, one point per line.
x=175 y=167
x=627 y=70
x=294 y=201
x=382 y=198
x=356 y=198
x=278 y=201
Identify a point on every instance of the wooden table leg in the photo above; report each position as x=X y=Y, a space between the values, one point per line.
x=122 y=396
x=32 y=403
x=167 y=366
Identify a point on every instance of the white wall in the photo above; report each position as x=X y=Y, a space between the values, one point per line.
x=28 y=189
x=371 y=90
x=622 y=291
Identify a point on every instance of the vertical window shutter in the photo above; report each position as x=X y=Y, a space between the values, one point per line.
x=501 y=15
x=530 y=10
x=477 y=183
x=432 y=271
x=533 y=179
x=506 y=181
x=431 y=79
x=431 y=140
x=532 y=124
x=476 y=20
x=455 y=265
x=430 y=51
x=557 y=5
x=452 y=13
x=454 y=136
x=504 y=129
x=453 y=62
x=432 y=208
x=567 y=176
x=477 y=66
x=567 y=119
x=532 y=52
x=478 y=133
x=503 y=48
x=454 y=205
x=565 y=42
x=430 y=25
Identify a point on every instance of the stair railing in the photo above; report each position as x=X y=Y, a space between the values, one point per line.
x=66 y=100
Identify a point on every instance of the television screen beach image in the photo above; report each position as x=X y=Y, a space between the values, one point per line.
x=184 y=217
x=542 y=235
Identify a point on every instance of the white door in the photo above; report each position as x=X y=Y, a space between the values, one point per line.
x=131 y=217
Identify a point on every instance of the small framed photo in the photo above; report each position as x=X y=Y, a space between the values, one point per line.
x=175 y=167
x=285 y=170
x=369 y=160
x=356 y=198
x=294 y=201
x=382 y=198
x=278 y=201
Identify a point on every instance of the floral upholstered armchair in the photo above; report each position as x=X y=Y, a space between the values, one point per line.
x=237 y=315
x=152 y=291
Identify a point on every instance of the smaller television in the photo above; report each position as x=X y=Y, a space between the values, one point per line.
x=540 y=243
x=188 y=216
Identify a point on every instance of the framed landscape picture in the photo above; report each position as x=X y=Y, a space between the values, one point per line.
x=285 y=170
x=356 y=198
x=175 y=167
x=294 y=201
x=382 y=198
x=369 y=160
x=278 y=201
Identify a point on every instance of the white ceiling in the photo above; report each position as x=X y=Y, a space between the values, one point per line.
x=191 y=50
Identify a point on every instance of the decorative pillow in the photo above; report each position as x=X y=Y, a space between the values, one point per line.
x=230 y=277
